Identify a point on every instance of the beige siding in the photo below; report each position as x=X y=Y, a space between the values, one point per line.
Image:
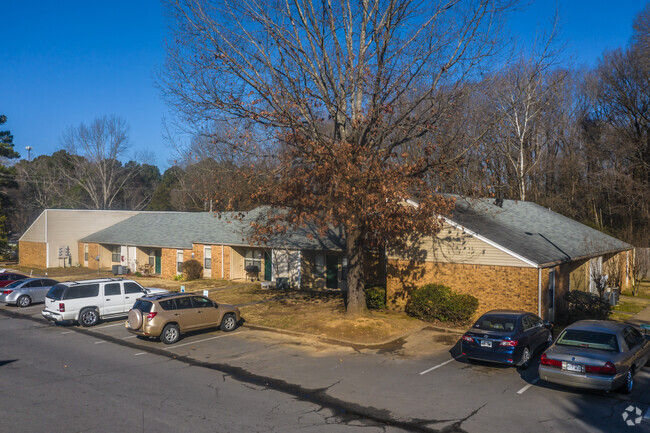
x=451 y=245
x=35 y=232
x=66 y=227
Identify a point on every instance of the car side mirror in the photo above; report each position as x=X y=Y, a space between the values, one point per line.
x=547 y=324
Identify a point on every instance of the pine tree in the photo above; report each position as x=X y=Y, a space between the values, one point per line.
x=7 y=180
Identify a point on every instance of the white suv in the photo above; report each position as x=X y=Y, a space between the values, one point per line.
x=88 y=301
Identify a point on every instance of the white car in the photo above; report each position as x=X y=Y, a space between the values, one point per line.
x=88 y=301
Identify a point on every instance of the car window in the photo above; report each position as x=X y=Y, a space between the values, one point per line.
x=18 y=277
x=496 y=323
x=184 y=303
x=144 y=306
x=82 y=291
x=527 y=323
x=201 y=302
x=132 y=287
x=637 y=335
x=35 y=283
x=169 y=304
x=49 y=283
x=4 y=277
x=588 y=340
x=112 y=289
x=56 y=292
x=14 y=284
x=631 y=338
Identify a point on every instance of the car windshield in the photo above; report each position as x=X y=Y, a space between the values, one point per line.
x=56 y=292
x=588 y=339
x=496 y=323
x=144 y=306
x=15 y=284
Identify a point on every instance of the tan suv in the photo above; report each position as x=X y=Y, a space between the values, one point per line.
x=171 y=314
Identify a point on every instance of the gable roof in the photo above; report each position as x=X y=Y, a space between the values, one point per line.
x=531 y=231
x=182 y=229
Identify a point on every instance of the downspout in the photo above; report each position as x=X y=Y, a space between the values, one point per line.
x=222 y=262
x=539 y=292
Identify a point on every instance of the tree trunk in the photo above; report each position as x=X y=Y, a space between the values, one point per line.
x=356 y=274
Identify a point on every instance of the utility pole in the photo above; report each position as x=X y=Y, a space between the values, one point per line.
x=29 y=153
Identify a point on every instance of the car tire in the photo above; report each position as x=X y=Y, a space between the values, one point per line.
x=629 y=382
x=88 y=317
x=170 y=334
x=228 y=323
x=525 y=358
x=24 y=301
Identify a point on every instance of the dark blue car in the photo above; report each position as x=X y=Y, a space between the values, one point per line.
x=507 y=337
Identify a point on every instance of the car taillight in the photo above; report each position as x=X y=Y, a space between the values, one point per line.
x=509 y=343
x=550 y=362
x=467 y=338
x=62 y=307
x=608 y=369
x=151 y=316
x=6 y=292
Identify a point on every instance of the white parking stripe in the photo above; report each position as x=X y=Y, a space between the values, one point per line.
x=199 y=341
x=110 y=326
x=141 y=353
x=437 y=366
x=533 y=382
x=99 y=342
x=67 y=332
x=130 y=336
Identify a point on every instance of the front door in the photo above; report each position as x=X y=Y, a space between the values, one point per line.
x=158 y=265
x=268 y=267
x=332 y=272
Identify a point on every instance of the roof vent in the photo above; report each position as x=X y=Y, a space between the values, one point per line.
x=499 y=202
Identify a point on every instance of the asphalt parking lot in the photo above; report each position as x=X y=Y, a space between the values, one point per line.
x=418 y=382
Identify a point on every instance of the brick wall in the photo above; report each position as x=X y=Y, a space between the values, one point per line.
x=93 y=251
x=216 y=262
x=494 y=286
x=80 y=251
x=32 y=254
x=168 y=263
x=197 y=249
x=227 y=252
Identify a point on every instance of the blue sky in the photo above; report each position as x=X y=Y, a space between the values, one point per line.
x=70 y=61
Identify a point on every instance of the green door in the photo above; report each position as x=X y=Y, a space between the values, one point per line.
x=332 y=272
x=158 y=266
x=268 y=269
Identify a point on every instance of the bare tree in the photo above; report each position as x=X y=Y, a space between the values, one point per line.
x=94 y=151
x=335 y=92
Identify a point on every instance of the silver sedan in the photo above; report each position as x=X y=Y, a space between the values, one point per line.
x=596 y=354
x=26 y=292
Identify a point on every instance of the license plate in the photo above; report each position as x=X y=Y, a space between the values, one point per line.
x=486 y=343
x=573 y=367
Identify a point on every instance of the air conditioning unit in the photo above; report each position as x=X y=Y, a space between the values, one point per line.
x=119 y=270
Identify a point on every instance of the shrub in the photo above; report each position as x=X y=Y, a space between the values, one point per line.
x=376 y=298
x=192 y=269
x=585 y=305
x=179 y=277
x=438 y=302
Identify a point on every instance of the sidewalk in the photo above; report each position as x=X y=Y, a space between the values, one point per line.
x=640 y=318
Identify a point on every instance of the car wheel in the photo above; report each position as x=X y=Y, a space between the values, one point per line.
x=24 y=301
x=170 y=334
x=88 y=317
x=228 y=323
x=629 y=382
x=525 y=358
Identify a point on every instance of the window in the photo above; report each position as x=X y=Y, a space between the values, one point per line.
x=253 y=258
x=143 y=306
x=132 y=288
x=207 y=253
x=632 y=337
x=152 y=258
x=496 y=323
x=169 y=304
x=56 y=292
x=184 y=303
x=588 y=340
x=200 y=302
x=85 y=252
x=82 y=291
x=116 y=257
x=35 y=283
x=112 y=289
x=179 y=261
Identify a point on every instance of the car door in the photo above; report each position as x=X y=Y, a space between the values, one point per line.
x=206 y=313
x=185 y=313
x=132 y=291
x=539 y=333
x=635 y=344
x=40 y=292
x=528 y=327
x=31 y=288
x=113 y=298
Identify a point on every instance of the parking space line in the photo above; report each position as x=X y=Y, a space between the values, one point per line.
x=110 y=326
x=199 y=341
x=130 y=336
x=533 y=382
x=140 y=353
x=437 y=366
x=67 y=332
x=100 y=342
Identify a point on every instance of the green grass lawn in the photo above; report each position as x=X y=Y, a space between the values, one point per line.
x=628 y=306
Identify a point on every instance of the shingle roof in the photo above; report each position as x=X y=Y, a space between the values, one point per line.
x=532 y=231
x=182 y=229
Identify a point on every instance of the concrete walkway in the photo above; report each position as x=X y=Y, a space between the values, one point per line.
x=640 y=318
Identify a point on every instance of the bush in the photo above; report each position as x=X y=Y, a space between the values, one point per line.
x=192 y=270
x=585 y=305
x=438 y=302
x=376 y=298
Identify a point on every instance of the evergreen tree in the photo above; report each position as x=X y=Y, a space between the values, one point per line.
x=7 y=180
